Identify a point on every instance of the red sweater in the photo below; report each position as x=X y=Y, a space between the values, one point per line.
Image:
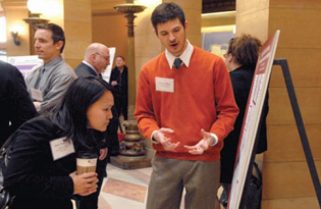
x=202 y=98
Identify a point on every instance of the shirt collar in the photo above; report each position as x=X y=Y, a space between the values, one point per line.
x=185 y=56
x=52 y=62
x=90 y=66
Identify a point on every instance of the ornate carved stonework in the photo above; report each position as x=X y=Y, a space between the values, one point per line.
x=129 y=9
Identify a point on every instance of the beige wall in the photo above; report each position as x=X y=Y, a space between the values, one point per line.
x=110 y=28
x=77 y=23
x=287 y=182
x=252 y=17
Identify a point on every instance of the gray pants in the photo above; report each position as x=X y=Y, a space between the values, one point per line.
x=170 y=176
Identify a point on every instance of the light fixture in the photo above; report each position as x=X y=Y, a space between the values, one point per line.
x=15 y=36
x=35 y=8
x=15 y=31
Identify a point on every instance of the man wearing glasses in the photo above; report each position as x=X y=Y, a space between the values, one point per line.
x=95 y=61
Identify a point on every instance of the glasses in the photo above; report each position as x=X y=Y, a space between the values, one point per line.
x=105 y=57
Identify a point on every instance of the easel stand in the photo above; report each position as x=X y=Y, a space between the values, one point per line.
x=300 y=125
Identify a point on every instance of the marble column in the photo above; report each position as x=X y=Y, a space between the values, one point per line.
x=77 y=24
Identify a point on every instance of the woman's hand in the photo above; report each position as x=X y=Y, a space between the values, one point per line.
x=84 y=184
x=103 y=153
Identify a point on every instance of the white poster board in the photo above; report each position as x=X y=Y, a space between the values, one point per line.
x=26 y=64
x=3 y=58
x=251 y=119
x=107 y=72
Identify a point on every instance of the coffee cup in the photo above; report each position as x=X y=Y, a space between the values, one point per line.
x=86 y=162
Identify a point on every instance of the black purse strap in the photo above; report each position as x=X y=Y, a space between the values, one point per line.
x=257 y=171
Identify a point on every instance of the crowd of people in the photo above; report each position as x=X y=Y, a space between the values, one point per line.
x=190 y=103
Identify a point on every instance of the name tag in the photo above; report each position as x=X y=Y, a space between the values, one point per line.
x=61 y=147
x=164 y=84
x=36 y=94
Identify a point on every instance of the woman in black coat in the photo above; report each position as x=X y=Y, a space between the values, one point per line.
x=42 y=154
x=119 y=80
x=241 y=59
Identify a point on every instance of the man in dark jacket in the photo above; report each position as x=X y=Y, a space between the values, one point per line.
x=15 y=103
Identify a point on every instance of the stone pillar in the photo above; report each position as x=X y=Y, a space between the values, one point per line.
x=78 y=26
x=287 y=181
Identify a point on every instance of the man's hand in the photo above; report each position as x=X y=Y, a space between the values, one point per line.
x=165 y=141
x=202 y=145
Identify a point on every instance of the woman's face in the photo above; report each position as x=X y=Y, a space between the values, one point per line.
x=99 y=113
x=228 y=59
x=120 y=62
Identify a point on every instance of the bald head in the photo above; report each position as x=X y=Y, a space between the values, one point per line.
x=97 y=55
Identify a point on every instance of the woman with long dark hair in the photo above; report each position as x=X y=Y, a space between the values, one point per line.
x=42 y=154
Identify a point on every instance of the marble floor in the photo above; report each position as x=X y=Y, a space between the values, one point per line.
x=125 y=189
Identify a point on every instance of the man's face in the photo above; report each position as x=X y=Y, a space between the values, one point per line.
x=101 y=60
x=45 y=48
x=172 y=36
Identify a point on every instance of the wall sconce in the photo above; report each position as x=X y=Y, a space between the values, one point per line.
x=15 y=31
x=15 y=36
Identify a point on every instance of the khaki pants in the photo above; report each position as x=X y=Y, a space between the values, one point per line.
x=170 y=176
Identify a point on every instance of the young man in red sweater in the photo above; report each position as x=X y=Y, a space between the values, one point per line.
x=185 y=104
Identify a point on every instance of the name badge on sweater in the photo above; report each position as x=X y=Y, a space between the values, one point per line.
x=164 y=84
x=61 y=147
x=36 y=94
